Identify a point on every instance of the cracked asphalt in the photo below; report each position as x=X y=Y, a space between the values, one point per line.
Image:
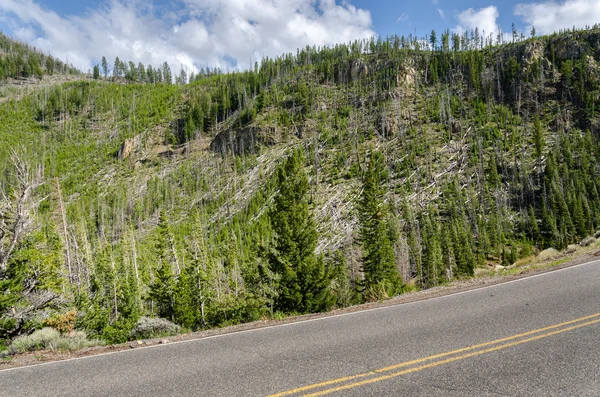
x=277 y=359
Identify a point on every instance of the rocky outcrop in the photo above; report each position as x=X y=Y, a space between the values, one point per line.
x=568 y=47
x=359 y=70
x=128 y=147
x=244 y=141
x=456 y=127
x=406 y=77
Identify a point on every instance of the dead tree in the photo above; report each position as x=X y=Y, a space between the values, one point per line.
x=17 y=207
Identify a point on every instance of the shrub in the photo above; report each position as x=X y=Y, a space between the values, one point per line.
x=63 y=323
x=51 y=339
x=150 y=327
x=118 y=332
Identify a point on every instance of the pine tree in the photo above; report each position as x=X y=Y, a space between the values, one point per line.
x=304 y=282
x=379 y=265
x=534 y=230
x=117 y=68
x=104 y=67
x=185 y=310
x=432 y=253
x=163 y=286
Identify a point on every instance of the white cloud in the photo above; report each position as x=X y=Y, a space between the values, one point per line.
x=485 y=19
x=551 y=16
x=403 y=17
x=435 y=2
x=200 y=33
x=441 y=12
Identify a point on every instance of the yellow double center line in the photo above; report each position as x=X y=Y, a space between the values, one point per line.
x=350 y=382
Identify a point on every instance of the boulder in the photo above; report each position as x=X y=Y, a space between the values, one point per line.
x=586 y=242
x=549 y=253
x=571 y=248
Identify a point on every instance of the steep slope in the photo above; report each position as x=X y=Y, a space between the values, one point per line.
x=491 y=153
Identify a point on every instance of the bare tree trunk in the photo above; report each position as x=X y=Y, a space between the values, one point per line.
x=64 y=232
x=16 y=218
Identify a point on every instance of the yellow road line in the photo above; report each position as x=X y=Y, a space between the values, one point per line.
x=433 y=357
x=448 y=360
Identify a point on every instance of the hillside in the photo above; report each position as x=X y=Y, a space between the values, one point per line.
x=19 y=61
x=133 y=198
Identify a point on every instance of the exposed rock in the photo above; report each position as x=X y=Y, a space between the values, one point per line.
x=388 y=124
x=571 y=248
x=244 y=141
x=128 y=147
x=359 y=70
x=586 y=242
x=549 y=253
x=593 y=69
x=533 y=51
x=406 y=77
x=456 y=127
x=568 y=48
x=137 y=343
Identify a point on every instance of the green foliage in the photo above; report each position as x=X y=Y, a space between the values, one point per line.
x=492 y=151
x=378 y=259
x=304 y=283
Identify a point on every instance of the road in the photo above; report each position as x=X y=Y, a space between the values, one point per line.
x=537 y=336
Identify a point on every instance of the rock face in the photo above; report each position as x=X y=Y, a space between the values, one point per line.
x=359 y=70
x=456 y=127
x=406 y=78
x=128 y=147
x=244 y=141
x=568 y=48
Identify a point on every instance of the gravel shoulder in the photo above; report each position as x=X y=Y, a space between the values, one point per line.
x=562 y=261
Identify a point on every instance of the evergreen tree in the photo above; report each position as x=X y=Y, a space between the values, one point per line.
x=117 y=68
x=104 y=67
x=304 y=281
x=379 y=264
x=167 y=77
x=432 y=253
x=141 y=72
x=433 y=39
x=163 y=287
x=534 y=230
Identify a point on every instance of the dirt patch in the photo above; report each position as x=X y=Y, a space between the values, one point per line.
x=564 y=261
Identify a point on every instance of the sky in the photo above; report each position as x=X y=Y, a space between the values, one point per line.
x=233 y=34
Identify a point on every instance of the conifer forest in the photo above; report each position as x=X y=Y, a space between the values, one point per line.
x=314 y=180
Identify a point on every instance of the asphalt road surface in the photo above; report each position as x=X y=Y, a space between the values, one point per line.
x=538 y=336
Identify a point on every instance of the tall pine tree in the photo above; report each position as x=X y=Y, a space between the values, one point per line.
x=304 y=284
x=379 y=265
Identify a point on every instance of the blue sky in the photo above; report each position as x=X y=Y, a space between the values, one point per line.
x=234 y=33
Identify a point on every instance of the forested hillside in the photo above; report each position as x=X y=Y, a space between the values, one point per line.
x=316 y=180
x=18 y=60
